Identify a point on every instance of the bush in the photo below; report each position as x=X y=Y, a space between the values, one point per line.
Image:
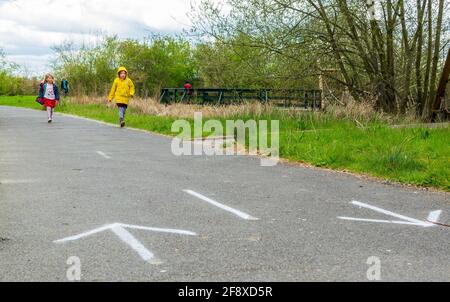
x=153 y=63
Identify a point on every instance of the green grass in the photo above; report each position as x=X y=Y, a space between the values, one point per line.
x=20 y=101
x=412 y=156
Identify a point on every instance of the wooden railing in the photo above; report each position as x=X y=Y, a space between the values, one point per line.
x=282 y=97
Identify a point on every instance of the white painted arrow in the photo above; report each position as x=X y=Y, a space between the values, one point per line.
x=221 y=206
x=127 y=237
x=433 y=217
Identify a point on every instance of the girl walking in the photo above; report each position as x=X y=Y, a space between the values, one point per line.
x=49 y=95
x=121 y=91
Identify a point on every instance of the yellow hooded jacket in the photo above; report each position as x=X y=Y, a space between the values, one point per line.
x=122 y=90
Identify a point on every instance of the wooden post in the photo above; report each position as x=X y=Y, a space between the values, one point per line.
x=440 y=95
x=163 y=94
x=322 y=103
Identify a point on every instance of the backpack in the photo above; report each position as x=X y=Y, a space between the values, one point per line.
x=39 y=99
x=65 y=85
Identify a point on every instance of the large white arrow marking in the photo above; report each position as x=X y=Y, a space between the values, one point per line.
x=127 y=237
x=433 y=217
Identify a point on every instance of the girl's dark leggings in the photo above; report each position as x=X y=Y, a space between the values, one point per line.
x=122 y=110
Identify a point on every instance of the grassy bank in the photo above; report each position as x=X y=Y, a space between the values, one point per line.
x=353 y=139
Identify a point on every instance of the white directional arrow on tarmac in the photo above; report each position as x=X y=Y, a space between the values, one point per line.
x=432 y=220
x=120 y=230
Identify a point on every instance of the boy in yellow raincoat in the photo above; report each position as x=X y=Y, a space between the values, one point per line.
x=122 y=90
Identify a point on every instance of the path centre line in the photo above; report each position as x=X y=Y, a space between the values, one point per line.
x=103 y=155
x=221 y=206
x=17 y=181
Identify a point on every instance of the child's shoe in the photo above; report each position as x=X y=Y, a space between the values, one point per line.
x=122 y=123
x=49 y=120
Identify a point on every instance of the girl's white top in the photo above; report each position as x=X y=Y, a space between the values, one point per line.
x=50 y=92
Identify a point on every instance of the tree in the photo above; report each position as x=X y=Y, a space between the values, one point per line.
x=387 y=50
x=10 y=83
x=152 y=63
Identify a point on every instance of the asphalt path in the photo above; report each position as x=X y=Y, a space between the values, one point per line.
x=198 y=218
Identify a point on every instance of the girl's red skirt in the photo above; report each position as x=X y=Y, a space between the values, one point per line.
x=49 y=103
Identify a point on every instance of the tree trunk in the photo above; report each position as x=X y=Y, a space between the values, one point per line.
x=388 y=89
x=440 y=95
x=428 y=109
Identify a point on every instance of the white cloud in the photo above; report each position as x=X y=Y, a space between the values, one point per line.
x=28 y=28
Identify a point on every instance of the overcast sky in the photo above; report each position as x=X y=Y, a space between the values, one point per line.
x=28 y=28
